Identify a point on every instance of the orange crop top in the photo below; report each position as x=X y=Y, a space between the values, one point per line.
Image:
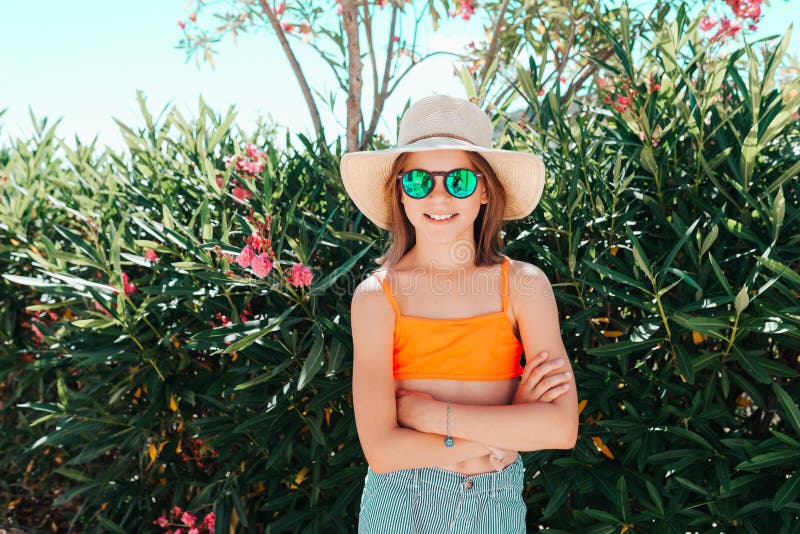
x=482 y=347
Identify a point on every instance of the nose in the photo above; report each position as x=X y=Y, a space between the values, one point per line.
x=438 y=186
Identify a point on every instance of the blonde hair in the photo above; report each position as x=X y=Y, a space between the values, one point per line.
x=487 y=227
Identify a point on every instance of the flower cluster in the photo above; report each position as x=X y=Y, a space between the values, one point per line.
x=196 y=450
x=256 y=254
x=37 y=319
x=620 y=95
x=742 y=10
x=249 y=166
x=223 y=321
x=465 y=9
x=299 y=275
x=185 y=520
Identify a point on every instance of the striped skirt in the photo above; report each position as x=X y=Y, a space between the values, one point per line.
x=433 y=500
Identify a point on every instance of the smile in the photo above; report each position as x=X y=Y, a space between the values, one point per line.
x=443 y=217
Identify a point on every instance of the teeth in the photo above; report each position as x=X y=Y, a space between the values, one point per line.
x=439 y=217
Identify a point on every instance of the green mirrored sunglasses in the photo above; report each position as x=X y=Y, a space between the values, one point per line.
x=460 y=183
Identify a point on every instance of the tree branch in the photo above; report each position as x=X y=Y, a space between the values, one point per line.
x=298 y=72
x=354 y=68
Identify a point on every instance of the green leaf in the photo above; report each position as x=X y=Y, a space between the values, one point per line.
x=655 y=496
x=684 y=362
x=648 y=161
x=620 y=348
x=249 y=339
x=789 y=406
x=742 y=300
x=320 y=287
x=787 y=492
x=73 y=474
x=638 y=254
x=557 y=498
x=691 y=485
x=94 y=323
x=751 y=364
x=770 y=459
x=313 y=362
x=780 y=269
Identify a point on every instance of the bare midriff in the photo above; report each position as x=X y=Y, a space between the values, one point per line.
x=478 y=392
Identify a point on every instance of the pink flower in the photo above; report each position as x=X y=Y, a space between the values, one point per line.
x=182 y=24
x=280 y=8
x=150 y=255
x=126 y=285
x=287 y=27
x=250 y=167
x=162 y=521
x=177 y=531
x=261 y=265
x=746 y=9
x=209 y=521
x=176 y=510
x=219 y=181
x=727 y=29
x=255 y=241
x=466 y=9
x=245 y=256
x=188 y=519
x=194 y=530
x=98 y=307
x=707 y=23
x=252 y=150
x=299 y=275
x=241 y=193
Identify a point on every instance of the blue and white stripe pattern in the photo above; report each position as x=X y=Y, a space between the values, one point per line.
x=431 y=500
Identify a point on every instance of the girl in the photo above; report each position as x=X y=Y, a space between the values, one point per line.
x=442 y=404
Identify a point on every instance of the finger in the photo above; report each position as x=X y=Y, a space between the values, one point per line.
x=546 y=367
x=549 y=382
x=555 y=392
x=531 y=364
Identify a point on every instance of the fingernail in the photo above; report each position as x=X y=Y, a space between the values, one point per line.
x=544 y=354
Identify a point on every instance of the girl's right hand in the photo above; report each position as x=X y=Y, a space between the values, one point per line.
x=534 y=387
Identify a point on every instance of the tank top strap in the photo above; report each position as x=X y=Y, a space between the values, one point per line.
x=387 y=290
x=504 y=282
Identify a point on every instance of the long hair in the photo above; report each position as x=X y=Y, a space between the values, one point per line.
x=486 y=230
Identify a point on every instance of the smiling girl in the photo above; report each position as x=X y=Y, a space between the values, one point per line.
x=442 y=403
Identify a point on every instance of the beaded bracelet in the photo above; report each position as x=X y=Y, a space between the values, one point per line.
x=448 y=440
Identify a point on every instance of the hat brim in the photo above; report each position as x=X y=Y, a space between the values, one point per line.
x=365 y=173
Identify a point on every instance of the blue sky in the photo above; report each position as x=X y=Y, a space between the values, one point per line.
x=83 y=60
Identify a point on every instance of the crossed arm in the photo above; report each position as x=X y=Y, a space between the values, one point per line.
x=406 y=431
x=527 y=424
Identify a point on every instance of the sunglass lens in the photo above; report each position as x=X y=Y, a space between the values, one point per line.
x=461 y=182
x=417 y=183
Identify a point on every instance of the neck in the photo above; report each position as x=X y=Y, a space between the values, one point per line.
x=438 y=257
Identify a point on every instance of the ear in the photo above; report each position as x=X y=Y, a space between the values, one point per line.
x=484 y=196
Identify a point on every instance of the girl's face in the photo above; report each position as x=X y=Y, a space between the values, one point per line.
x=439 y=201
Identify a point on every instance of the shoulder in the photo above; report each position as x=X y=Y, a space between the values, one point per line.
x=526 y=281
x=369 y=297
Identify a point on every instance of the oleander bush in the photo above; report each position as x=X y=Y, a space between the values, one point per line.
x=147 y=363
x=670 y=229
x=175 y=317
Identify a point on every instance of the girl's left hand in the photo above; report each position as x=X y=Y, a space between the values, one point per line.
x=412 y=406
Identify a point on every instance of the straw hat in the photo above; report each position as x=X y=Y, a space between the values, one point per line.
x=442 y=122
